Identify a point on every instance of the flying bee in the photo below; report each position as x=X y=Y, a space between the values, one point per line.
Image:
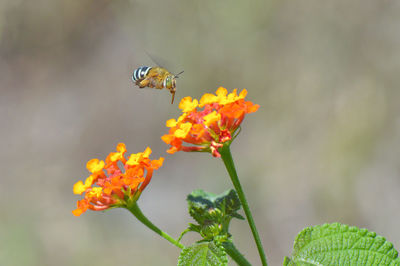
x=155 y=77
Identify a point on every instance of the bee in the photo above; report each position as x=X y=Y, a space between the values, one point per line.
x=155 y=77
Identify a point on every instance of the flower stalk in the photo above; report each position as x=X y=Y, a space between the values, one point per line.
x=135 y=210
x=232 y=251
x=226 y=157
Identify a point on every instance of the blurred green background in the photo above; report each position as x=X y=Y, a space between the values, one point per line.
x=323 y=147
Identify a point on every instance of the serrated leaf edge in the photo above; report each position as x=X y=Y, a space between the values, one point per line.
x=363 y=232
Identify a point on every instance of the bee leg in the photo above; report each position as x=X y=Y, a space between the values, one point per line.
x=172 y=91
x=173 y=97
x=142 y=83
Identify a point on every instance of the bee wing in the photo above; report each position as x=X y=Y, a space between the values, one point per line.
x=161 y=62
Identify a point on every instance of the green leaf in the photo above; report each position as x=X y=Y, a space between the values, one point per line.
x=213 y=213
x=229 y=202
x=207 y=207
x=203 y=254
x=201 y=197
x=200 y=203
x=338 y=244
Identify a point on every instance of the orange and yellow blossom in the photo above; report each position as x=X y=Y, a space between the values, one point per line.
x=209 y=128
x=116 y=182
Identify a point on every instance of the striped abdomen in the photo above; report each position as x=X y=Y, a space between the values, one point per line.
x=140 y=73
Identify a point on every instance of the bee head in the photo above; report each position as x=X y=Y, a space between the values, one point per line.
x=170 y=82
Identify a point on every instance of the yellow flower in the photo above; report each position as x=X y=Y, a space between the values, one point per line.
x=211 y=118
x=95 y=165
x=79 y=187
x=183 y=130
x=187 y=105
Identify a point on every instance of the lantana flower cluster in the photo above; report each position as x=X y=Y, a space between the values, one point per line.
x=117 y=182
x=208 y=124
x=205 y=126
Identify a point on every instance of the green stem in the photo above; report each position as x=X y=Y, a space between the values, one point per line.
x=230 y=166
x=235 y=254
x=135 y=210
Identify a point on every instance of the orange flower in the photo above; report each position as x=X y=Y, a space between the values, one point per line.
x=117 y=182
x=213 y=126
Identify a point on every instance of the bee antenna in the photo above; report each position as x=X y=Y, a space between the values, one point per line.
x=177 y=75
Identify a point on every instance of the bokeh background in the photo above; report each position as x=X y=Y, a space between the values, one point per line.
x=323 y=147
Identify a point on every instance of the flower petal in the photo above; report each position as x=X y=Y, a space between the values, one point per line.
x=95 y=165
